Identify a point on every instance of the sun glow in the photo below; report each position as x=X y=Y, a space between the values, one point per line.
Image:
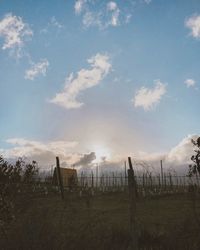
x=102 y=153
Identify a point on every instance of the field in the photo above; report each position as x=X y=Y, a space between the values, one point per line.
x=102 y=222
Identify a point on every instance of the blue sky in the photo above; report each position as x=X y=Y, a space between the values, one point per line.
x=139 y=91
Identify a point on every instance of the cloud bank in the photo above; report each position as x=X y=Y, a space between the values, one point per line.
x=44 y=153
x=177 y=158
x=86 y=159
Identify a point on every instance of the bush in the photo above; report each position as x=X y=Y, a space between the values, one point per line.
x=194 y=169
x=12 y=181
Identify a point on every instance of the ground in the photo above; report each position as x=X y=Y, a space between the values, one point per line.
x=102 y=222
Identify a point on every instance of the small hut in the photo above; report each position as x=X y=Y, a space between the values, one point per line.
x=68 y=175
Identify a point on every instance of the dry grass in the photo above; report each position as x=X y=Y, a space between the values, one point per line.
x=49 y=223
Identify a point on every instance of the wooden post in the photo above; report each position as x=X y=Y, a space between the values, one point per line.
x=132 y=197
x=125 y=174
x=177 y=183
x=143 y=181
x=150 y=179
x=92 y=180
x=161 y=168
x=147 y=180
x=60 y=183
x=106 y=181
x=122 y=184
x=171 y=183
x=184 y=182
x=165 y=181
x=81 y=179
x=97 y=168
x=159 y=181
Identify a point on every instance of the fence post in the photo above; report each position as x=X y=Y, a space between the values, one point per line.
x=113 y=182
x=171 y=183
x=161 y=168
x=125 y=174
x=92 y=180
x=132 y=197
x=97 y=173
x=60 y=183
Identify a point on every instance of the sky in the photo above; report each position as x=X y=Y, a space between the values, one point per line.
x=95 y=81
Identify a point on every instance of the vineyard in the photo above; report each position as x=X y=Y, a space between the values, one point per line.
x=101 y=210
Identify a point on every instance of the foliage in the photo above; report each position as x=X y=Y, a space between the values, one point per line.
x=194 y=169
x=31 y=171
x=12 y=180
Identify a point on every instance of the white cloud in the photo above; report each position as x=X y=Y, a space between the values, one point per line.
x=28 y=145
x=128 y=18
x=44 y=153
x=147 y=1
x=15 y=32
x=86 y=78
x=92 y=19
x=113 y=8
x=190 y=82
x=177 y=158
x=37 y=69
x=54 y=22
x=183 y=151
x=101 y=15
x=79 y=5
x=193 y=23
x=148 y=98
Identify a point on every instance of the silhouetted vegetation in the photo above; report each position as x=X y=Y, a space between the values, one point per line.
x=194 y=169
x=13 y=178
